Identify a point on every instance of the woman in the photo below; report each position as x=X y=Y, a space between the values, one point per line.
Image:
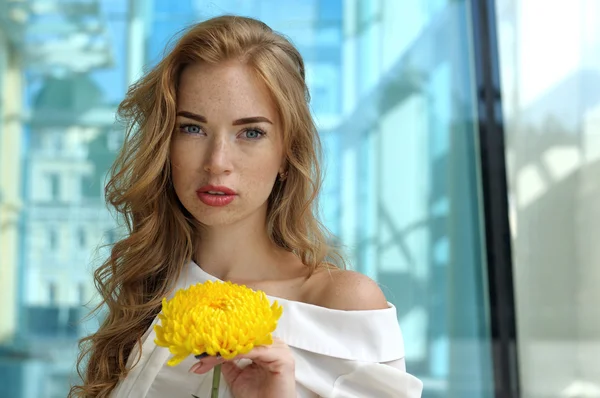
x=217 y=180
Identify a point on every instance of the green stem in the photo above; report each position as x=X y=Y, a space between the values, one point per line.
x=216 y=381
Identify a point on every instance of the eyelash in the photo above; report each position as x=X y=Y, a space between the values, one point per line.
x=182 y=128
x=258 y=130
x=262 y=133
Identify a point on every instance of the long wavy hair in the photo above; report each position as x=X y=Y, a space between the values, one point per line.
x=161 y=234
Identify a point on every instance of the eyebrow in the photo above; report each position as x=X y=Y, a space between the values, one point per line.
x=238 y=122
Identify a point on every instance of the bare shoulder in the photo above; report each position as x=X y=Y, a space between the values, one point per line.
x=345 y=290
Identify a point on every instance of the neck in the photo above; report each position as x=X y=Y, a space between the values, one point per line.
x=240 y=252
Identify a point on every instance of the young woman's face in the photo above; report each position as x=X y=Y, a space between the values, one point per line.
x=226 y=152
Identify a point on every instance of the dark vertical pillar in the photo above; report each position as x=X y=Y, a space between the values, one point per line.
x=495 y=199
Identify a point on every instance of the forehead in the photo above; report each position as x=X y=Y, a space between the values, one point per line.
x=229 y=89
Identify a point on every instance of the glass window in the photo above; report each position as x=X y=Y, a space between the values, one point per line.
x=551 y=99
x=52 y=293
x=393 y=97
x=54 y=186
x=81 y=237
x=52 y=239
x=81 y=293
x=56 y=143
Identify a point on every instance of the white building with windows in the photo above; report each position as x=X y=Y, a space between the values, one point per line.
x=66 y=215
x=71 y=142
x=51 y=202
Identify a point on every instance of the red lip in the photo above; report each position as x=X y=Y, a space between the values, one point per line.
x=216 y=188
x=215 y=200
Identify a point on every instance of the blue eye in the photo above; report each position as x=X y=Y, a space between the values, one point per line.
x=190 y=128
x=253 y=133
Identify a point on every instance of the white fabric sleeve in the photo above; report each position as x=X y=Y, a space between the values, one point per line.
x=398 y=364
x=377 y=380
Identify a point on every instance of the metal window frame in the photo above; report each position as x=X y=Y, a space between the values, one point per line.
x=495 y=199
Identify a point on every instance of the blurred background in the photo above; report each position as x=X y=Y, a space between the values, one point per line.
x=397 y=97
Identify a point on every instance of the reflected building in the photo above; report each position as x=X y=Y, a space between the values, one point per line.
x=71 y=144
x=54 y=124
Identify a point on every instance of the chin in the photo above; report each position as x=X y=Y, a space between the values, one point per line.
x=216 y=220
x=227 y=215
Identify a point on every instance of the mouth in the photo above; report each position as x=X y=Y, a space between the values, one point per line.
x=216 y=190
x=216 y=196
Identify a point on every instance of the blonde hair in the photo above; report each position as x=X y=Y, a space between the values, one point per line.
x=161 y=233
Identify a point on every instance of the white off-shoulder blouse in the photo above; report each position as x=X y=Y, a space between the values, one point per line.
x=338 y=354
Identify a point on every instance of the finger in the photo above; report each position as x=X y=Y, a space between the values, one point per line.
x=205 y=365
x=230 y=371
x=265 y=353
x=275 y=358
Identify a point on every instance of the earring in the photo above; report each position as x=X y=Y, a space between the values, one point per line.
x=283 y=176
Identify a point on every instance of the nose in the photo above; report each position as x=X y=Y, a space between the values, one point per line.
x=218 y=157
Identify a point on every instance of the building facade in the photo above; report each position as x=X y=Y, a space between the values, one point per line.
x=56 y=138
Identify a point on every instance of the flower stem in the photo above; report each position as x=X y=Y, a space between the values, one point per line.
x=216 y=381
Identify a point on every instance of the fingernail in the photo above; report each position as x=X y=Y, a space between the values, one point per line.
x=204 y=355
x=196 y=367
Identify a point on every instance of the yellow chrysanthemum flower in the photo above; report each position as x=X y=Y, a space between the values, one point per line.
x=216 y=318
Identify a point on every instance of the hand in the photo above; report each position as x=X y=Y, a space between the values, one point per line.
x=271 y=374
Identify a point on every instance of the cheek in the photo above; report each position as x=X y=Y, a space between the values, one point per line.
x=262 y=178
x=179 y=165
x=177 y=181
x=175 y=174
